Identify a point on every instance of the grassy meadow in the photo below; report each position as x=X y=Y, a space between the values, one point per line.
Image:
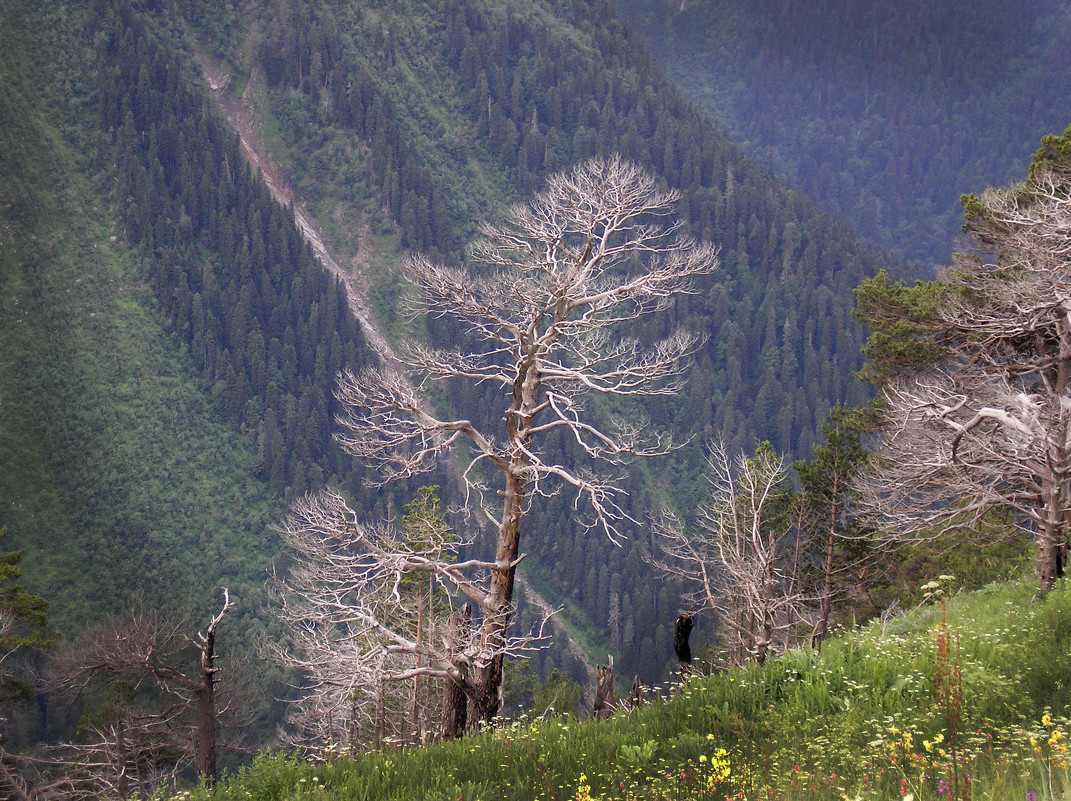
x=964 y=698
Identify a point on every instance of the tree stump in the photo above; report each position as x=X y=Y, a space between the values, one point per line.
x=682 y=630
x=604 y=692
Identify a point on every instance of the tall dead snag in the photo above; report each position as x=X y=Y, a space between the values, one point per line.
x=546 y=299
x=740 y=558
x=975 y=373
x=140 y=742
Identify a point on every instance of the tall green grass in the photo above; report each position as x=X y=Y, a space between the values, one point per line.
x=964 y=699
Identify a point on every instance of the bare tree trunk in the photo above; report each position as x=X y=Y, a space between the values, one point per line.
x=206 y=710
x=486 y=687
x=379 y=720
x=603 y=708
x=455 y=710
x=414 y=709
x=354 y=733
x=1048 y=550
x=682 y=630
x=205 y=697
x=121 y=782
x=822 y=629
x=636 y=697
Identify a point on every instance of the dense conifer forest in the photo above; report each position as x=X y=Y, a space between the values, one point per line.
x=170 y=341
x=915 y=104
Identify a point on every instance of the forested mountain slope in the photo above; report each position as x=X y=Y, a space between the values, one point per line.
x=437 y=114
x=117 y=476
x=885 y=112
x=400 y=125
x=128 y=465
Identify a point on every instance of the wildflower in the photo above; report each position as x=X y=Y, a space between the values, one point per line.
x=1031 y=796
x=1046 y=720
x=583 y=791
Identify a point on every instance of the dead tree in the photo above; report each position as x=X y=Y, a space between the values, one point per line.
x=546 y=300
x=147 y=649
x=636 y=697
x=455 y=703
x=739 y=558
x=605 y=695
x=354 y=628
x=983 y=421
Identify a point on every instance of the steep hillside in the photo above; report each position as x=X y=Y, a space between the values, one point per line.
x=964 y=701
x=398 y=126
x=403 y=124
x=117 y=476
x=887 y=114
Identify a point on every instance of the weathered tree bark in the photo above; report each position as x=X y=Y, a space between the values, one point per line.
x=636 y=697
x=206 y=710
x=486 y=688
x=455 y=710
x=205 y=698
x=605 y=696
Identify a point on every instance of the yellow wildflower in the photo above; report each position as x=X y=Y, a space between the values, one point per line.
x=583 y=791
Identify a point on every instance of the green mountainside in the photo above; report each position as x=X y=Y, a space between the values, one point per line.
x=117 y=476
x=169 y=342
x=447 y=111
x=887 y=113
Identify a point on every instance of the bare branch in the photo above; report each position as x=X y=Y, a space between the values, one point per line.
x=544 y=302
x=737 y=559
x=991 y=426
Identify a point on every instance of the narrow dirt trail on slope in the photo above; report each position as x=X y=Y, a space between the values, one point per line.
x=243 y=119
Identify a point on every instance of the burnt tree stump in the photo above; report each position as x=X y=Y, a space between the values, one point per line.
x=682 y=630
x=604 y=692
x=636 y=697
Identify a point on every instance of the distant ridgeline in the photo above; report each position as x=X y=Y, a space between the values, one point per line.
x=885 y=112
